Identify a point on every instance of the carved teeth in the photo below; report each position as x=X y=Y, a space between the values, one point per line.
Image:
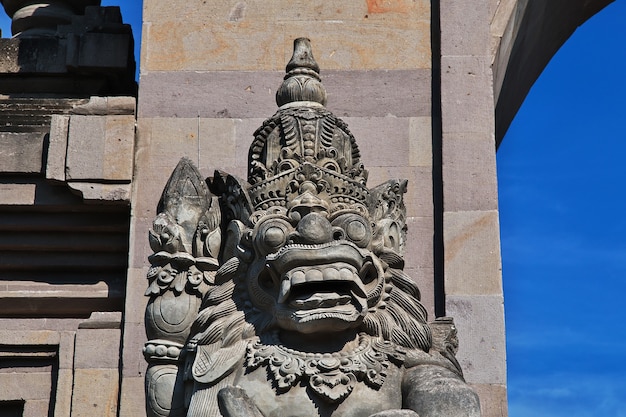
x=325 y=273
x=285 y=287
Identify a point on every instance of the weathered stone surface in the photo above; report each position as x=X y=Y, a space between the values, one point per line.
x=57 y=148
x=95 y=392
x=229 y=94
x=92 y=191
x=18 y=194
x=401 y=30
x=21 y=152
x=97 y=348
x=469 y=156
x=472 y=253
x=384 y=141
x=103 y=106
x=493 y=399
x=419 y=249
x=102 y=320
x=420 y=142
x=85 y=149
x=132 y=399
x=100 y=148
x=467 y=95
x=482 y=350
x=466 y=28
x=390 y=13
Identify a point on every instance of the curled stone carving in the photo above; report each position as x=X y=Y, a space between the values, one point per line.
x=284 y=295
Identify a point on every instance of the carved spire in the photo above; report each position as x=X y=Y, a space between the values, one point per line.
x=302 y=81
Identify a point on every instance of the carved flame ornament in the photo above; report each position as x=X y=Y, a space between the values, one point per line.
x=284 y=295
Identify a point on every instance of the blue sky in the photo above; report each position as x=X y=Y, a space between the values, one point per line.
x=562 y=184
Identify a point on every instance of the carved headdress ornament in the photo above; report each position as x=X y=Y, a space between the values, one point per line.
x=304 y=153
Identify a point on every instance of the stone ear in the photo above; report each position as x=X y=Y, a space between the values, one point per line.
x=187 y=208
x=389 y=214
x=232 y=239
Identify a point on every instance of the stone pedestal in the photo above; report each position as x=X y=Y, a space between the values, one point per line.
x=41 y=18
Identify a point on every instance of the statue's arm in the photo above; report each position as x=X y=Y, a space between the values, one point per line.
x=437 y=391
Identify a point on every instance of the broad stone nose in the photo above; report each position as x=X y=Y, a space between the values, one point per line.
x=314 y=229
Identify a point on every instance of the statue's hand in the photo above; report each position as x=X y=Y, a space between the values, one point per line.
x=234 y=402
x=396 y=413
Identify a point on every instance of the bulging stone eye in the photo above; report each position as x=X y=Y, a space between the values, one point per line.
x=357 y=229
x=270 y=235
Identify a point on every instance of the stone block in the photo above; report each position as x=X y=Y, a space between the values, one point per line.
x=479 y=320
x=210 y=41
x=119 y=148
x=420 y=142
x=467 y=95
x=85 y=148
x=400 y=12
x=94 y=191
x=97 y=348
x=37 y=408
x=419 y=245
x=132 y=398
x=63 y=399
x=472 y=253
x=465 y=25
x=101 y=50
x=18 y=194
x=465 y=157
x=47 y=324
x=383 y=141
x=493 y=399
x=95 y=392
x=29 y=337
x=100 y=148
x=66 y=350
x=57 y=148
x=364 y=45
x=168 y=140
x=25 y=385
x=243 y=95
x=217 y=147
x=132 y=356
x=379 y=93
x=102 y=320
x=103 y=106
x=21 y=152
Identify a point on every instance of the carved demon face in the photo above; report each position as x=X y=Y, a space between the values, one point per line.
x=313 y=263
x=313 y=269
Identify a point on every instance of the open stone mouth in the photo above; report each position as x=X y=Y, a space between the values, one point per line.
x=330 y=276
x=325 y=286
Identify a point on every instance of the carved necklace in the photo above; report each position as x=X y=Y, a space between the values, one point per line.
x=330 y=375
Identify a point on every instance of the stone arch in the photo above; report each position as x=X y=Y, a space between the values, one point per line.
x=534 y=31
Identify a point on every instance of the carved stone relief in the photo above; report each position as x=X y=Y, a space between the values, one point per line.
x=284 y=295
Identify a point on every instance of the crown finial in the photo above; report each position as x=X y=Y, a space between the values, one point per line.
x=302 y=81
x=302 y=56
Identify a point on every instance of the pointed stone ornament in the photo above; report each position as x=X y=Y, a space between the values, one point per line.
x=302 y=82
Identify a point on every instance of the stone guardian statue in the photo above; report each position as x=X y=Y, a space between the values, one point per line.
x=284 y=295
